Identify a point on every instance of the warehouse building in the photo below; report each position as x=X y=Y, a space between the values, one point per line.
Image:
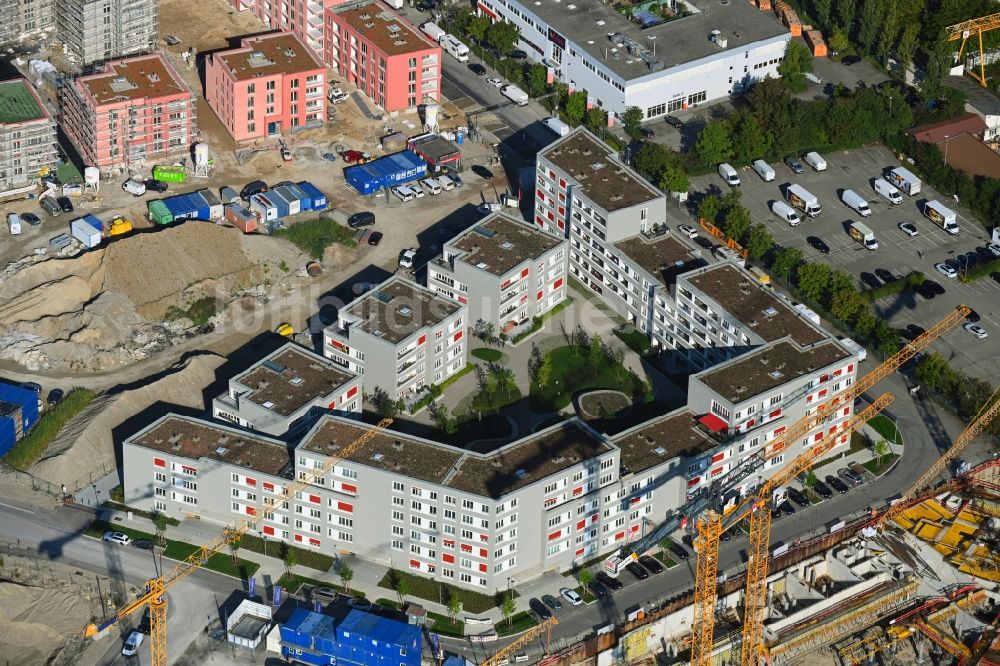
x=646 y=60
x=286 y=391
x=27 y=135
x=506 y=271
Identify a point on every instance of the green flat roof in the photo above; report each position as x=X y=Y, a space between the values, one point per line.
x=17 y=104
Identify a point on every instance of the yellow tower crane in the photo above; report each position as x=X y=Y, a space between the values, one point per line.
x=710 y=526
x=503 y=653
x=156 y=588
x=967 y=29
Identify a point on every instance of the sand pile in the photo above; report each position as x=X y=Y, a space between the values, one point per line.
x=36 y=623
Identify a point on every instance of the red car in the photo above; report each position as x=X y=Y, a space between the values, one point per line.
x=355 y=156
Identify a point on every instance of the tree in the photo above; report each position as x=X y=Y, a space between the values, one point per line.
x=810 y=479
x=665 y=543
x=736 y=223
x=576 y=107
x=871 y=23
x=845 y=304
x=710 y=207
x=846 y=11
x=759 y=241
x=508 y=608
x=653 y=159
x=785 y=262
x=346 y=574
x=619 y=361
x=714 y=145
x=840 y=280
x=585 y=577
x=534 y=362
x=597 y=120
x=477 y=27
x=596 y=352
x=939 y=60
x=631 y=120
x=823 y=9
x=544 y=371
x=161 y=523
x=502 y=36
x=864 y=324
x=907 y=45
x=797 y=62
x=290 y=557
x=234 y=547
x=385 y=406
x=838 y=41
x=403 y=588
x=673 y=179
x=931 y=371
x=538 y=79
x=880 y=451
x=813 y=279
x=749 y=140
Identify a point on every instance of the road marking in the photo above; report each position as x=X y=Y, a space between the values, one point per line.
x=16 y=508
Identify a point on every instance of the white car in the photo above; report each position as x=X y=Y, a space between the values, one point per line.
x=134 y=187
x=976 y=330
x=994 y=248
x=571 y=596
x=688 y=230
x=403 y=192
x=946 y=270
x=337 y=96
x=495 y=82
x=132 y=644
x=406 y=261
x=117 y=537
x=908 y=228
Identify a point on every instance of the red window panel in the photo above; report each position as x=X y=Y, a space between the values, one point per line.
x=338 y=345
x=422 y=339
x=483 y=552
x=634 y=500
x=775 y=414
x=633 y=529
x=524 y=272
x=620 y=536
x=558 y=283
x=315 y=499
x=483 y=537
x=189 y=470
x=414 y=564
x=298 y=537
x=539 y=221
x=332 y=405
x=717 y=471
x=353 y=392
x=506 y=283
x=348 y=488
x=847 y=410
x=833 y=429
x=560 y=224
x=458 y=336
x=809 y=398
x=850 y=368
x=550 y=215
x=482 y=568
x=594 y=518
x=313 y=542
x=751 y=422
x=552 y=175
x=541 y=195
x=837 y=373
x=539 y=295
x=555 y=535
x=463 y=300
x=562 y=183
x=268 y=486
x=466 y=548
x=344 y=506
x=579 y=552
x=694 y=481
x=823 y=393
x=268 y=530
x=824 y=378
x=818 y=436
x=159 y=462
x=581 y=524
x=778 y=431
x=562 y=211
x=449 y=543
x=524 y=299
x=448 y=558
x=562 y=197
x=251 y=511
x=251 y=482
x=718 y=456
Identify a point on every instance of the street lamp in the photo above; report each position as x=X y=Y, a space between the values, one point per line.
x=947 y=140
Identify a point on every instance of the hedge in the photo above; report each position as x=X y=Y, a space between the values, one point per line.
x=894 y=288
x=305 y=557
x=537 y=322
x=434 y=391
x=973 y=273
x=30 y=448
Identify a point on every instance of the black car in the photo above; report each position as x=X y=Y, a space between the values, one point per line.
x=65 y=205
x=598 y=590
x=55 y=395
x=798 y=497
x=996 y=276
x=551 y=602
x=871 y=280
x=364 y=219
x=50 y=206
x=31 y=218
x=646 y=132
x=680 y=551
x=375 y=238
x=973 y=316
x=674 y=122
x=154 y=185
x=540 y=609
x=912 y=332
x=252 y=188
x=786 y=508
x=924 y=290
x=850 y=476
x=985 y=254
x=836 y=484
x=935 y=287
x=651 y=563
x=637 y=570
x=482 y=171
x=885 y=275
x=609 y=581
x=518 y=54
x=817 y=244
x=143 y=544
x=822 y=489
x=477 y=69
x=850 y=60
x=776 y=513
x=426 y=5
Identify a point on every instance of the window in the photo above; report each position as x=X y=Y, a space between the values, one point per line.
x=397 y=486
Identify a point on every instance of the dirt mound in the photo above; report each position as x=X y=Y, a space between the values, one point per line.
x=36 y=623
x=88 y=443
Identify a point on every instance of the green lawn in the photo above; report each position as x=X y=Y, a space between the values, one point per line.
x=424 y=588
x=486 y=354
x=884 y=426
x=314 y=236
x=879 y=470
x=486 y=403
x=31 y=447
x=305 y=557
x=636 y=340
x=573 y=372
x=518 y=622
x=293 y=584
x=587 y=596
x=665 y=559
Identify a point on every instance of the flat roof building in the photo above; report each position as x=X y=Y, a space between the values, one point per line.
x=506 y=271
x=270 y=85
x=285 y=391
x=658 y=62
x=96 y=30
x=27 y=135
x=135 y=112
x=304 y=18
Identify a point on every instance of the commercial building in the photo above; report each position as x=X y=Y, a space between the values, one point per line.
x=27 y=135
x=646 y=60
x=400 y=336
x=97 y=30
x=25 y=19
x=504 y=270
x=135 y=112
x=304 y=18
x=285 y=391
x=270 y=85
x=382 y=54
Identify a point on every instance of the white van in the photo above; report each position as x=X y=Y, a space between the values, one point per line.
x=403 y=192
x=815 y=160
x=857 y=202
x=557 y=126
x=786 y=213
x=763 y=170
x=430 y=186
x=889 y=191
x=446 y=183
x=14 y=223
x=729 y=175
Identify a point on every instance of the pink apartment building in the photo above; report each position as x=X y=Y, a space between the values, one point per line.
x=303 y=18
x=384 y=56
x=270 y=85
x=138 y=110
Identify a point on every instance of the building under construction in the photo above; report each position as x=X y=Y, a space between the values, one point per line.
x=27 y=135
x=97 y=30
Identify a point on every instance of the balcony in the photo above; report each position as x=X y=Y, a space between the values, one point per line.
x=316 y=20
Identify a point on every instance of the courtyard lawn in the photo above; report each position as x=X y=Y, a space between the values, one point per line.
x=879 y=470
x=572 y=372
x=487 y=354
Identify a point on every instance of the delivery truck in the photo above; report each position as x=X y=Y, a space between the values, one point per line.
x=433 y=31
x=88 y=230
x=800 y=197
x=515 y=94
x=941 y=216
x=904 y=180
x=861 y=233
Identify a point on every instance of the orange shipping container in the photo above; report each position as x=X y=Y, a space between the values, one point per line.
x=791 y=19
x=814 y=38
x=764 y=5
x=241 y=218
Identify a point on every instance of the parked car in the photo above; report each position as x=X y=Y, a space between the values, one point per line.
x=355 y=156
x=973 y=316
x=946 y=270
x=455 y=178
x=908 y=228
x=337 y=96
x=994 y=249
x=995 y=275
x=571 y=596
x=132 y=644
x=31 y=218
x=924 y=290
x=935 y=286
x=794 y=164
x=477 y=69
x=518 y=54
x=134 y=187
x=598 y=590
x=359 y=603
x=674 y=122
x=154 y=185
x=495 y=82
x=610 y=581
x=651 y=563
x=252 y=188
x=912 y=332
x=482 y=172
x=117 y=537
x=55 y=396
x=870 y=280
x=688 y=230
x=551 y=602
x=363 y=219
x=403 y=193
x=822 y=489
x=976 y=330
x=143 y=544
x=885 y=275
x=817 y=243
x=540 y=609
x=637 y=570
x=849 y=476
x=65 y=205
x=798 y=497
x=406 y=258
x=646 y=133
x=50 y=206
x=836 y=484
x=680 y=551
x=847 y=61
x=375 y=238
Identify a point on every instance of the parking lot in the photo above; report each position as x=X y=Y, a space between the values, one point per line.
x=898 y=253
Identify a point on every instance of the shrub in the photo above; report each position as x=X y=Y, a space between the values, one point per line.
x=314 y=236
x=304 y=557
x=894 y=288
x=31 y=447
x=199 y=312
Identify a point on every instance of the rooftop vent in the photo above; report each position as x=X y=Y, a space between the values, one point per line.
x=121 y=84
x=776 y=374
x=392 y=28
x=506 y=245
x=258 y=59
x=377 y=333
x=377 y=457
x=221 y=451
x=481 y=265
x=521 y=474
x=405 y=311
x=719 y=40
x=741 y=389
x=273 y=366
x=267 y=404
x=153 y=78
x=770 y=312
x=660 y=451
x=597 y=166
x=296 y=381
x=289 y=53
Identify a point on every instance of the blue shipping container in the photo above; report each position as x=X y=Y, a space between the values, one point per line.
x=294 y=205
x=386 y=171
x=8 y=436
x=305 y=201
x=188 y=206
x=307 y=657
x=318 y=198
x=369 y=640
x=261 y=204
x=27 y=400
x=278 y=201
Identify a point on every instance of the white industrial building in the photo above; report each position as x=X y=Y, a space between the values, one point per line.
x=719 y=49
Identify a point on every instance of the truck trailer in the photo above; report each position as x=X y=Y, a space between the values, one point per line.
x=861 y=233
x=904 y=180
x=941 y=216
x=88 y=230
x=800 y=197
